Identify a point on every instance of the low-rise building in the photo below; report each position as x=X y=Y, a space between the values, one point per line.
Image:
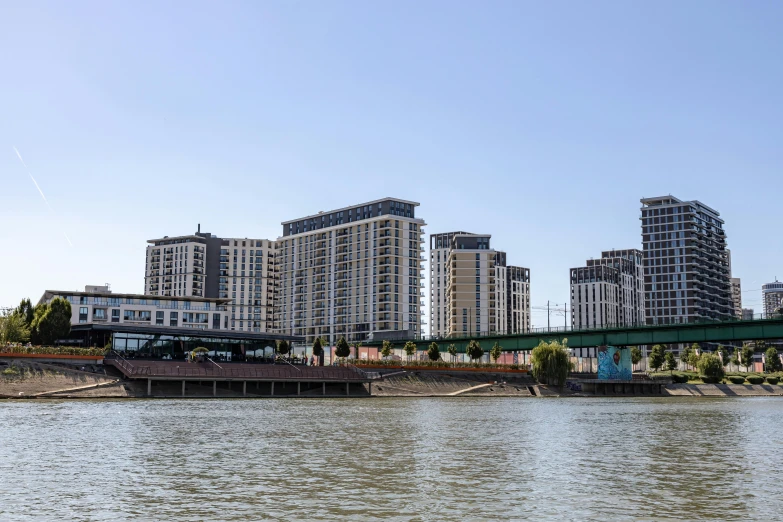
x=99 y=305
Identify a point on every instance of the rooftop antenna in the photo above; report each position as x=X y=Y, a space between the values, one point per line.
x=199 y=229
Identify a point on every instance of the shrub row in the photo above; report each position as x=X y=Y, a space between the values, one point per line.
x=50 y=350
x=431 y=364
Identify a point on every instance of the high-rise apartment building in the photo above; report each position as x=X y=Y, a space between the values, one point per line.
x=352 y=272
x=736 y=296
x=686 y=268
x=772 y=294
x=203 y=265
x=473 y=290
x=608 y=291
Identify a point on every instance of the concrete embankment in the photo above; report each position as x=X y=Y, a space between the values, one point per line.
x=723 y=390
x=24 y=378
x=438 y=384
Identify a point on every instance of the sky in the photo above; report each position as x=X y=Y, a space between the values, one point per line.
x=541 y=123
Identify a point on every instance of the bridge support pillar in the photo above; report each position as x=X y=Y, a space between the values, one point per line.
x=149 y=387
x=347 y=388
x=214 y=388
x=244 y=388
x=273 y=389
x=323 y=387
x=369 y=388
x=183 y=388
x=298 y=388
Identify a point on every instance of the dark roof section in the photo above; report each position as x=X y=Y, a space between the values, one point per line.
x=186 y=332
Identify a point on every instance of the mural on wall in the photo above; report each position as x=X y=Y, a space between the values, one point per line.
x=614 y=363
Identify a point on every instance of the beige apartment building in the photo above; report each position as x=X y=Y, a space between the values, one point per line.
x=204 y=265
x=354 y=272
x=736 y=296
x=472 y=290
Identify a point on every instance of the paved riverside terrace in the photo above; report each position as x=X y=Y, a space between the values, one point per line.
x=209 y=371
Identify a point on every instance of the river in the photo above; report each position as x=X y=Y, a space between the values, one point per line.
x=392 y=459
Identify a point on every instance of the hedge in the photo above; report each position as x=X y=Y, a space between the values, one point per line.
x=51 y=350
x=737 y=379
x=680 y=378
x=773 y=380
x=755 y=379
x=710 y=380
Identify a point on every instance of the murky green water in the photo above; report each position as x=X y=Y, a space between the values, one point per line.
x=393 y=459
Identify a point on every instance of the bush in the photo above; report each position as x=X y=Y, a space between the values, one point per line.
x=737 y=379
x=773 y=380
x=710 y=380
x=755 y=379
x=711 y=368
x=679 y=378
x=551 y=362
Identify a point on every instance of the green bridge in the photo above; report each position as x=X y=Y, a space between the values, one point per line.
x=733 y=331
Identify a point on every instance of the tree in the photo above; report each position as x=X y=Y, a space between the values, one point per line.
x=26 y=312
x=495 y=352
x=772 y=360
x=636 y=355
x=342 y=349
x=693 y=359
x=433 y=352
x=410 y=349
x=51 y=321
x=386 y=349
x=453 y=351
x=656 y=357
x=747 y=357
x=724 y=354
x=711 y=368
x=474 y=350
x=356 y=347
x=282 y=347
x=13 y=329
x=671 y=361
x=735 y=359
x=685 y=354
x=318 y=348
x=551 y=362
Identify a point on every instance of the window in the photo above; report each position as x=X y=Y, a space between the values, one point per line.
x=83 y=314
x=115 y=315
x=174 y=319
x=159 y=317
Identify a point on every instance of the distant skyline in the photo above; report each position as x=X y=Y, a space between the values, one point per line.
x=542 y=124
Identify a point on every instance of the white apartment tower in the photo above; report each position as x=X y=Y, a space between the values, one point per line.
x=203 y=265
x=736 y=296
x=772 y=294
x=352 y=272
x=608 y=291
x=472 y=291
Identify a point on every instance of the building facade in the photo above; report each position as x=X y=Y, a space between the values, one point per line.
x=204 y=265
x=353 y=272
x=609 y=291
x=472 y=289
x=686 y=267
x=772 y=295
x=736 y=296
x=98 y=305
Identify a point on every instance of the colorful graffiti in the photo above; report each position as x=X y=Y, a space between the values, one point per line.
x=614 y=363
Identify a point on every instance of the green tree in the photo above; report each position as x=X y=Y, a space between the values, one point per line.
x=318 y=348
x=453 y=351
x=711 y=368
x=671 y=361
x=342 y=349
x=433 y=352
x=772 y=360
x=13 y=329
x=386 y=349
x=51 y=321
x=656 y=357
x=356 y=347
x=282 y=347
x=551 y=362
x=26 y=312
x=410 y=349
x=724 y=355
x=693 y=359
x=735 y=358
x=747 y=357
x=636 y=355
x=474 y=350
x=686 y=352
x=495 y=352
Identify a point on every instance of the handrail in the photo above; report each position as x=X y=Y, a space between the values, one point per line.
x=213 y=362
x=291 y=365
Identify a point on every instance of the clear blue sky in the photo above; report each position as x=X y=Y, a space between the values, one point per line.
x=542 y=123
